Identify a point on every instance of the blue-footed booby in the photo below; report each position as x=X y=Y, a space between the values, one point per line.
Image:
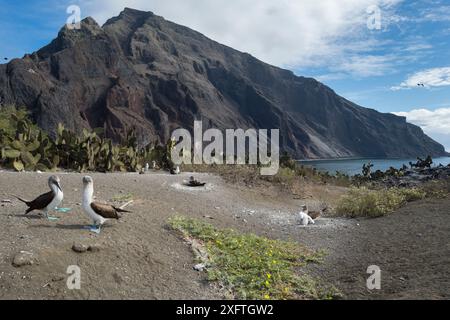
x=98 y=212
x=48 y=201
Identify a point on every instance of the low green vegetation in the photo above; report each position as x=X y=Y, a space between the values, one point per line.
x=253 y=267
x=364 y=202
x=24 y=146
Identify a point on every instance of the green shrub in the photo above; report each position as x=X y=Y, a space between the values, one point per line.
x=253 y=267
x=363 y=202
x=286 y=161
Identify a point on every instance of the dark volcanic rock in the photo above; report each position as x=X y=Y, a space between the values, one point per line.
x=142 y=71
x=417 y=177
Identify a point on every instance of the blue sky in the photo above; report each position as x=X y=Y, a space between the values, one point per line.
x=328 y=39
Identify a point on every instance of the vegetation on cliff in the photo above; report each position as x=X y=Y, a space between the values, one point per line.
x=24 y=146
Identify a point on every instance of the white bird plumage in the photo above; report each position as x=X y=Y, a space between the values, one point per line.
x=304 y=217
x=88 y=194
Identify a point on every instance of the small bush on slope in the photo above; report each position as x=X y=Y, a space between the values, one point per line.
x=364 y=202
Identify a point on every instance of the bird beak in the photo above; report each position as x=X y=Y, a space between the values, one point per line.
x=59 y=186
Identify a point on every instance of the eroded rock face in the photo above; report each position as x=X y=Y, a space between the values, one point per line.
x=141 y=71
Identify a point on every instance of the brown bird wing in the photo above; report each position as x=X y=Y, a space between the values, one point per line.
x=105 y=210
x=315 y=214
x=40 y=202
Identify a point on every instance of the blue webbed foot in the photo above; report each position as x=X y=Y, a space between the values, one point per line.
x=63 y=210
x=94 y=228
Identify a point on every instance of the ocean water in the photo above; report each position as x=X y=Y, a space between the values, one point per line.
x=354 y=166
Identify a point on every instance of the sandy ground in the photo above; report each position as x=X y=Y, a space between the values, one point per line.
x=140 y=258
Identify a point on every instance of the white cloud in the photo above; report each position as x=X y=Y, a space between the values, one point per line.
x=285 y=33
x=435 y=123
x=436 y=77
x=438 y=14
x=367 y=66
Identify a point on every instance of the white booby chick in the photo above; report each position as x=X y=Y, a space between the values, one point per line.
x=304 y=217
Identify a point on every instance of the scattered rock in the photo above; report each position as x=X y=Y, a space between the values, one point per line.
x=57 y=278
x=79 y=248
x=6 y=201
x=94 y=249
x=200 y=267
x=23 y=258
x=415 y=177
x=117 y=278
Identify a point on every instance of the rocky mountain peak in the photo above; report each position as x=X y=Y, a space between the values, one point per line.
x=140 y=71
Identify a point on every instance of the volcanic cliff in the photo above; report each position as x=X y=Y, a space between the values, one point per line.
x=140 y=71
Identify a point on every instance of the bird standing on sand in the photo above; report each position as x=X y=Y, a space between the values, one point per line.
x=304 y=217
x=98 y=212
x=48 y=201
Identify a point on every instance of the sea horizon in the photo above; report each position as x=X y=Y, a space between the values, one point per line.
x=353 y=166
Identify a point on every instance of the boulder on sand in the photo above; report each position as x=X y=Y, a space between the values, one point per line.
x=24 y=258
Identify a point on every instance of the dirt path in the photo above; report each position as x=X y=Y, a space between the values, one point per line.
x=140 y=258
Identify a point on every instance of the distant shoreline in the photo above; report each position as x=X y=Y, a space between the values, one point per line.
x=371 y=158
x=353 y=166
